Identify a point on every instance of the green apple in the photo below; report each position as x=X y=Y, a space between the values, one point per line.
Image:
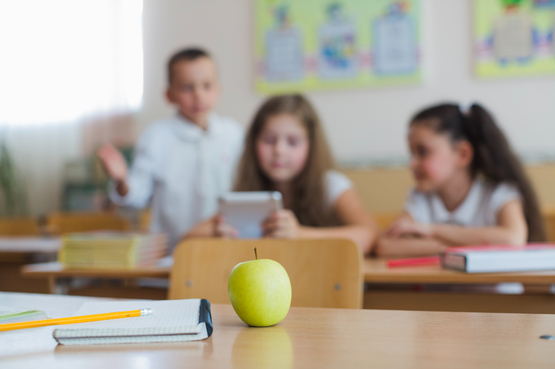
x=260 y=292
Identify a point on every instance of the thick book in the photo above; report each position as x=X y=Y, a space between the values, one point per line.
x=111 y=250
x=171 y=321
x=491 y=259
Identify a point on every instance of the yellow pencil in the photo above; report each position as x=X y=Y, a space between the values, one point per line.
x=76 y=319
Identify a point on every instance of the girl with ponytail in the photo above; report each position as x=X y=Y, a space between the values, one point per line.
x=471 y=189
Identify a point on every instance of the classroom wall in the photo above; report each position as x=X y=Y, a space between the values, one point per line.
x=384 y=190
x=363 y=123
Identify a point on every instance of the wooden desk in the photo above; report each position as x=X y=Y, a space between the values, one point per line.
x=391 y=288
x=119 y=283
x=307 y=338
x=18 y=251
x=376 y=271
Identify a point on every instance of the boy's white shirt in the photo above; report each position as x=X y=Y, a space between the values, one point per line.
x=184 y=170
x=480 y=208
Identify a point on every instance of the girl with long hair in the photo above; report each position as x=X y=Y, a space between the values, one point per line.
x=471 y=189
x=286 y=151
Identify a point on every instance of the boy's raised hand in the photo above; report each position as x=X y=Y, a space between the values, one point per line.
x=113 y=162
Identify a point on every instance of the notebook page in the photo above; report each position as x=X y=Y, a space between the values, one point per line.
x=11 y=315
x=169 y=318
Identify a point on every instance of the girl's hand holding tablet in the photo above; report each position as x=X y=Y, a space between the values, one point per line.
x=221 y=229
x=281 y=224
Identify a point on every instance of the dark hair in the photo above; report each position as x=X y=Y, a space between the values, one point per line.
x=493 y=157
x=309 y=203
x=189 y=54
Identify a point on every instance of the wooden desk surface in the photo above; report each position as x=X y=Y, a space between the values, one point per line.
x=23 y=249
x=54 y=273
x=55 y=269
x=307 y=338
x=376 y=271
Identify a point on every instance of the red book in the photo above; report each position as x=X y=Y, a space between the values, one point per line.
x=430 y=260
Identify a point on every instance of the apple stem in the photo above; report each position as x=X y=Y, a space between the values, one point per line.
x=255 y=254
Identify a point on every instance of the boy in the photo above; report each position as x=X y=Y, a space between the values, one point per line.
x=183 y=163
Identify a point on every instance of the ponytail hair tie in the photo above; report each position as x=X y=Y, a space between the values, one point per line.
x=465 y=108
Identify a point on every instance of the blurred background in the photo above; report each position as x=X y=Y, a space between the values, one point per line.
x=77 y=74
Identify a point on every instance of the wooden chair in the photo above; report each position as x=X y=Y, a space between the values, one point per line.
x=549 y=222
x=60 y=223
x=384 y=220
x=323 y=272
x=19 y=227
x=144 y=220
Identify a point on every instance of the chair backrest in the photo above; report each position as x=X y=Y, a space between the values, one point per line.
x=144 y=220
x=60 y=223
x=384 y=220
x=323 y=272
x=19 y=227
x=549 y=222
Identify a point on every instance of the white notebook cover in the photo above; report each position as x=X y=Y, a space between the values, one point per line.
x=171 y=321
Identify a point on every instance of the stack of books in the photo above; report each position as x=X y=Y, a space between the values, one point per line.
x=111 y=250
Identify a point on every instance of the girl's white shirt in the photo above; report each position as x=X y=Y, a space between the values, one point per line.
x=480 y=208
x=336 y=183
x=183 y=170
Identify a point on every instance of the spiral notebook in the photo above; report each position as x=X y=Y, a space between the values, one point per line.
x=171 y=321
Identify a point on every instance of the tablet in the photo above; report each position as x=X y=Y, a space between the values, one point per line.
x=246 y=211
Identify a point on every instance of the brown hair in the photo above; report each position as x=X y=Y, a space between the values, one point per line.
x=308 y=187
x=189 y=54
x=493 y=156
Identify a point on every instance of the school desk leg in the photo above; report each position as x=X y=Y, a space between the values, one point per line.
x=57 y=286
x=11 y=280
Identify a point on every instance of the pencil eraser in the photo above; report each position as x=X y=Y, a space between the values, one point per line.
x=147 y=312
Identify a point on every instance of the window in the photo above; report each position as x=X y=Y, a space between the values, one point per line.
x=63 y=60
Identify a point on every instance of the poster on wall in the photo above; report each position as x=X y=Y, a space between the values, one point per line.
x=303 y=45
x=514 y=37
